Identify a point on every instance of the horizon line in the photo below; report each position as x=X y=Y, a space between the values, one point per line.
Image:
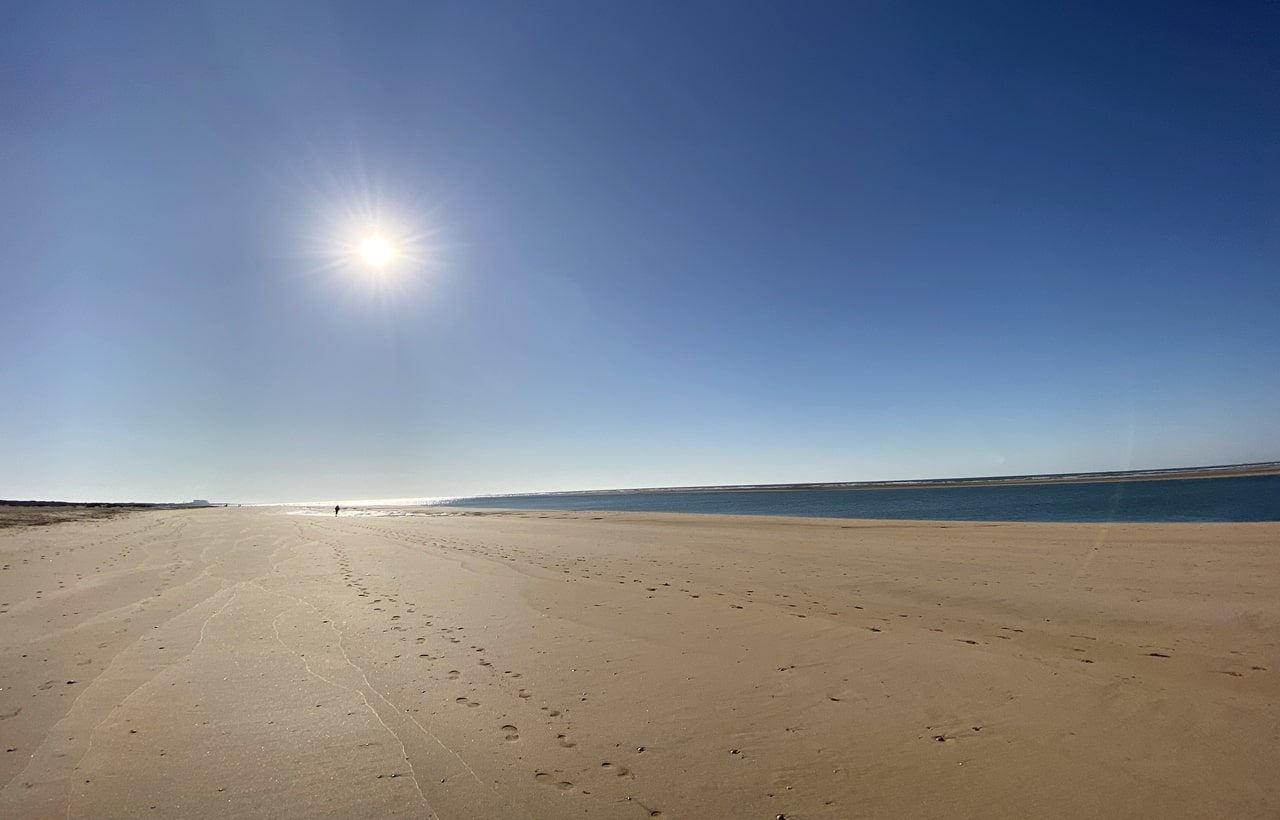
x=1213 y=470
x=1254 y=467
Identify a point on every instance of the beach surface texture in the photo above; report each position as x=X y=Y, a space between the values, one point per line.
x=251 y=662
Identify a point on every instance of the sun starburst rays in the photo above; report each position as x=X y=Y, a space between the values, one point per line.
x=371 y=243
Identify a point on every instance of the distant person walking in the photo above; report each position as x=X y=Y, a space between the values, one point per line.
x=335 y=509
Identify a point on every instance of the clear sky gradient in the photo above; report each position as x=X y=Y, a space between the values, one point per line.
x=641 y=244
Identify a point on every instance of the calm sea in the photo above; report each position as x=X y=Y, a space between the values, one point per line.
x=1251 y=498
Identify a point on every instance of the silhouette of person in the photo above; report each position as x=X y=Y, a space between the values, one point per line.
x=335 y=509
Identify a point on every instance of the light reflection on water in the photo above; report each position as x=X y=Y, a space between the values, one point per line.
x=369 y=513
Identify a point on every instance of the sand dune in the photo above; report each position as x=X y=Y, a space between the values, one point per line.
x=248 y=662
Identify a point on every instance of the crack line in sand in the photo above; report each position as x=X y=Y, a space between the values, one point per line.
x=365 y=677
x=71 y=791
x=413 y=772
x=87 y=688
x=1084 y=566
x=411 y=717
x=92 y=732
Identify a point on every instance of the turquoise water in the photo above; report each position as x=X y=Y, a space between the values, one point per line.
x=1250 y=498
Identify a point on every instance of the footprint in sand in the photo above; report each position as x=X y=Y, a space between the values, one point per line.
x=525 y=693
x=565 y=742
x=466 y=702
x=510 y=733
x=954 y=736
x=615 y=769
x=547 y=780
x=454 y=674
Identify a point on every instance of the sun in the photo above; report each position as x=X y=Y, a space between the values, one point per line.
x=370 y=237
x=376 y=251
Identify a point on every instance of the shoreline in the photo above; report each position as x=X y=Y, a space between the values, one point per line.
x=1242 y=498
x=746 y=519
x=1230 y=471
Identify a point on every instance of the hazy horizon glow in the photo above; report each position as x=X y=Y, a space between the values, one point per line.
x=635 y=245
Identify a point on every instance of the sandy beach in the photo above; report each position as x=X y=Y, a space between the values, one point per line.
x=250 y=662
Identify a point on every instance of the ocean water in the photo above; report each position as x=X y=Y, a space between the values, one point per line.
x=1249 y=498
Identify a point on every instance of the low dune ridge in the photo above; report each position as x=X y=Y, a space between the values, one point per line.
x=520 y=664
x=42 y=513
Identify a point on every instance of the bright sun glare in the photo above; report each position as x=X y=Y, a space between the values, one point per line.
x=376 y=251
x=379 y=245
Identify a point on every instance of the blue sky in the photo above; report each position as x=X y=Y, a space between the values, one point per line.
x=642 y=244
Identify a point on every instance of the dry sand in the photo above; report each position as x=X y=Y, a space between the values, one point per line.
x=253 y=663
